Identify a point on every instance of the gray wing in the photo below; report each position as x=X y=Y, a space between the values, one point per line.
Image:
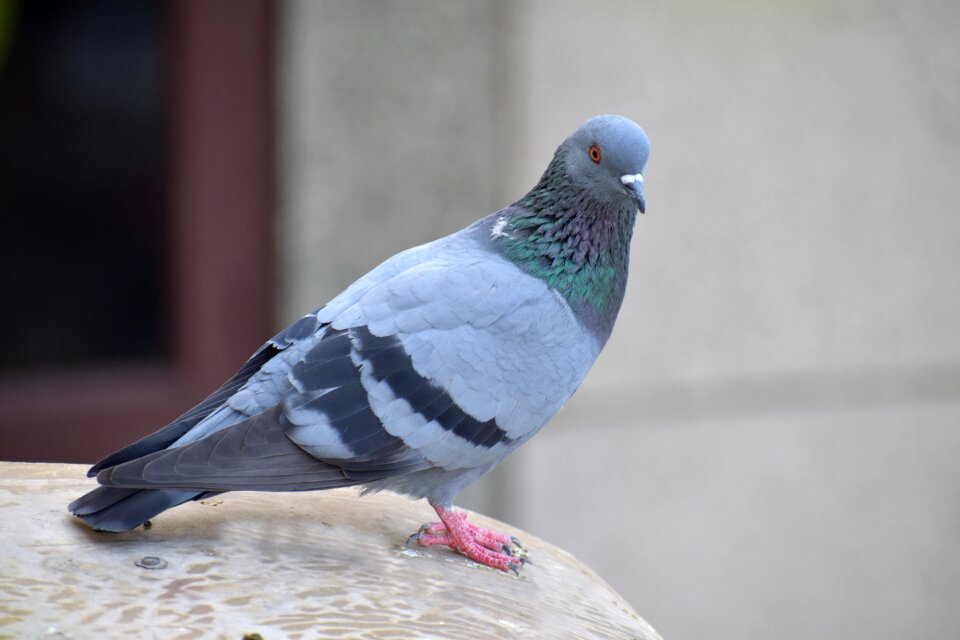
x=324 y=434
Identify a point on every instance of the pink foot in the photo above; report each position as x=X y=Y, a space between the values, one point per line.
x=486 y=546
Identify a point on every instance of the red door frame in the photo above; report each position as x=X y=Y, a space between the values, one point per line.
x=219 y=256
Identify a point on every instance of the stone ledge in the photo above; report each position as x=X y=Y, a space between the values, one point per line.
x=307 y=565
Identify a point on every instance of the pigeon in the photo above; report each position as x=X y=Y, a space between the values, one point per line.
x=423 y=374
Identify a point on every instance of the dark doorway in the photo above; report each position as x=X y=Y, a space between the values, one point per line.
x=135 y=199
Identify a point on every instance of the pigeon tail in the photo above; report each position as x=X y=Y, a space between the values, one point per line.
x=113 y=509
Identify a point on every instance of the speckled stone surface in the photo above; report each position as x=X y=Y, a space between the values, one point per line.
x=310 y=565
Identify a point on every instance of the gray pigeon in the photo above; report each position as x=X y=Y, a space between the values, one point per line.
x=423 y=374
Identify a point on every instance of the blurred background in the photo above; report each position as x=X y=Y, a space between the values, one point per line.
x=768 y=446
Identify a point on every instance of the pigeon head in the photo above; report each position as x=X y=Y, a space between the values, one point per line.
x=573 y=228
x=606 y=156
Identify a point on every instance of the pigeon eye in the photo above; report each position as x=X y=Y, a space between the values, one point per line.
x=595 y=153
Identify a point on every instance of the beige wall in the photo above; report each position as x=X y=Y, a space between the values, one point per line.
x=768 y=446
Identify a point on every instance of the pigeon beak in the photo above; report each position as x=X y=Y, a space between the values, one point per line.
x=634 y=184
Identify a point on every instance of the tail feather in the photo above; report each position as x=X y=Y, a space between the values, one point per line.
x=114 y=509
x=98 y=499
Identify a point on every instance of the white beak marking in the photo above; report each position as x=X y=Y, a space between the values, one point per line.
x=631 y=178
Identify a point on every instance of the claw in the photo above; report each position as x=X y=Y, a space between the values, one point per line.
x=513 y=567
x=516 y=541
x=507 y=550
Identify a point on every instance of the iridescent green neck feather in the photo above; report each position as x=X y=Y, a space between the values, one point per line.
x=576 y=243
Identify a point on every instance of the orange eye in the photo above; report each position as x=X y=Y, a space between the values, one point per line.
x=595 y=153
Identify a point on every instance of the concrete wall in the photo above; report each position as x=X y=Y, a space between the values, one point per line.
x=391 y=130
x=767 y=448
